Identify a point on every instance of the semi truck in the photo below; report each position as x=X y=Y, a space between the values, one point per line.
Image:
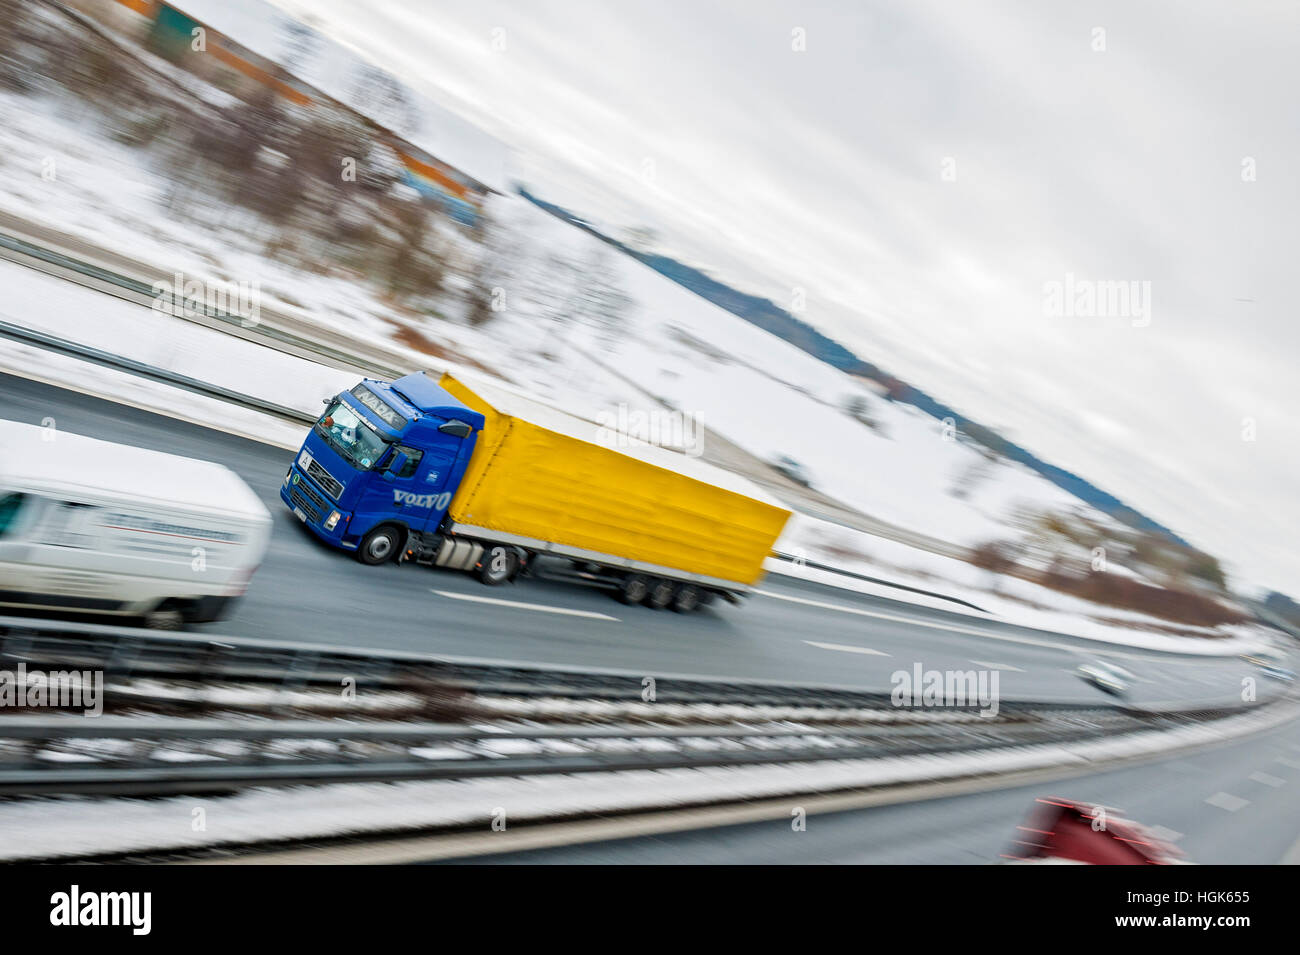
x=463 y=472
x=91 y=526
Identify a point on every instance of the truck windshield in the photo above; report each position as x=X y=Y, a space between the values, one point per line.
x=347 y=433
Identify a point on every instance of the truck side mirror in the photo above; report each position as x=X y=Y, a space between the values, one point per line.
x=456 y=428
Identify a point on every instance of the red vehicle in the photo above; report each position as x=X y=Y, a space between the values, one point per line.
x=1068 y=831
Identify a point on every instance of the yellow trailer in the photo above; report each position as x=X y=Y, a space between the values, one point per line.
x=553 y=483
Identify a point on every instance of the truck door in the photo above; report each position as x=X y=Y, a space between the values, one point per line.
x=433 y=487
x=417 y=494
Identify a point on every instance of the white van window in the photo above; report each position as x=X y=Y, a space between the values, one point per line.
x=10 y=505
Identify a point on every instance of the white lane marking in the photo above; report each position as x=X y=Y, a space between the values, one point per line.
x=845 y=648
x=1227 y=801
x=1288 y=761
x=520 y=605
x=1267 y=779
x=997 y=666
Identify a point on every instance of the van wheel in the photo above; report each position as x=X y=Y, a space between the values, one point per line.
x=633 y=589
x=164 y=620
x=686 y=599
x=497 y=565
x=661 y=594
x=380 y=545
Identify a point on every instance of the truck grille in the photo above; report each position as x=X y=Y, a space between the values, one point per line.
x=300 y=501
x=306 y=489
x=326 y=480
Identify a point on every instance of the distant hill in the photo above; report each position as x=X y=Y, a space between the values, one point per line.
x=770 y=317
x=1284 y=607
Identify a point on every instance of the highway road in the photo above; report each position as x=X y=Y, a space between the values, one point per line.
x=1230 y=804
x=793 y=631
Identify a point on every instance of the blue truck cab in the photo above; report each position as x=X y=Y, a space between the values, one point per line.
x=378 y=470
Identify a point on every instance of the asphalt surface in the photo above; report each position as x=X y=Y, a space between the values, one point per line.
x=1231 y=804
x=793 y=631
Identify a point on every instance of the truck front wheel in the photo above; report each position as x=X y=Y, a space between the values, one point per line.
x=380 y=545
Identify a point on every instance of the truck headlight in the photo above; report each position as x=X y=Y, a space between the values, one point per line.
x=285 y=482
x=332 y=520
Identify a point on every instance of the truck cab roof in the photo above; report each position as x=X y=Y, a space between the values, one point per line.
x=425 y=395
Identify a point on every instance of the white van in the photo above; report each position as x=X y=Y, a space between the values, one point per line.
x=92 y=526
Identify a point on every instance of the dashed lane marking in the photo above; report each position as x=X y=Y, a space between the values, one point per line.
x=521 y=605
x=845 y=648
x=1227 y=801
x=1267 y=779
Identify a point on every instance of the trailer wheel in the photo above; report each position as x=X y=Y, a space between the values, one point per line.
x=661 y=594
x=497 y=565
x=686 y=599
x=633 y=589
x=380 y=545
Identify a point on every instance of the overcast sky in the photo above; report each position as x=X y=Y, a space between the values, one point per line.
x=922 y=169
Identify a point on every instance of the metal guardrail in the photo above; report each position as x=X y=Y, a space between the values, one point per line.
x=804 y=562
x=137 y=290
x=62 y=346
x=124 y=652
